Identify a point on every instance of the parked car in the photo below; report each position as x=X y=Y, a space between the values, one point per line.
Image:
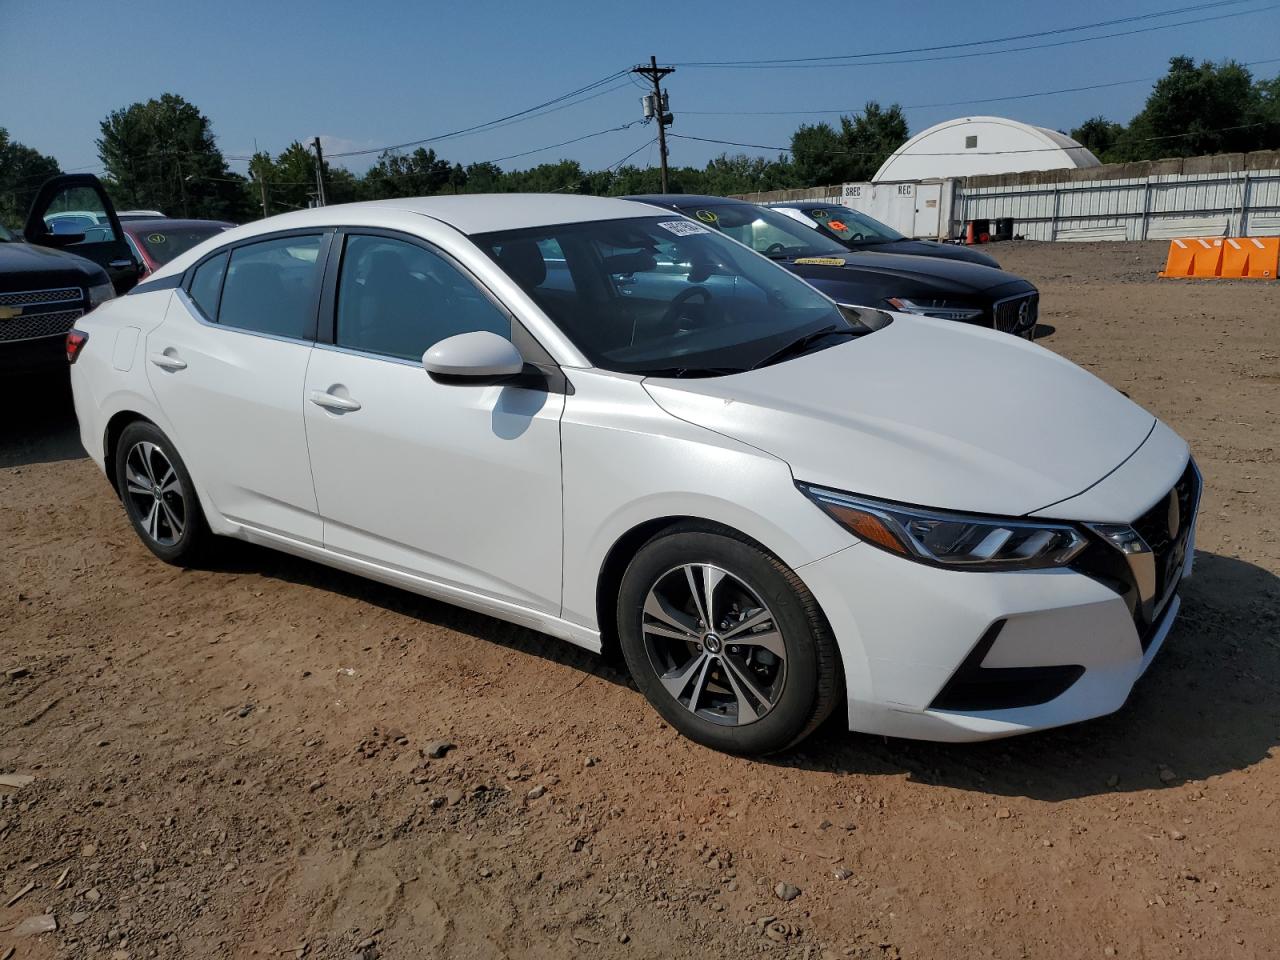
x=856 y=231
x=157 y=240
x=774 y=507
x=55 y=272
x=928 y=286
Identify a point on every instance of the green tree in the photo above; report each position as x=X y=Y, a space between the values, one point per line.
x=822 y=155
x=22 y=170
x=163 y=154
x=1195 y=110
x=1100 y=135
x=417 y=174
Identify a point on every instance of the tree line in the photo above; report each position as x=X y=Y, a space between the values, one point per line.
x=162 y=154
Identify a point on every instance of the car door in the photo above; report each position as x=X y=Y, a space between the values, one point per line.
x=228 y=365
x=458 y=484
x=73 y=213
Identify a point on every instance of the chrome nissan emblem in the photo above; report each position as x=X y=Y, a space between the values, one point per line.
x=711 y=643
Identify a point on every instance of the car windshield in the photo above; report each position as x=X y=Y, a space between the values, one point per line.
x=850 y=226
x=662 y=295
x=164 y=243
x=5 y=235
x=766 y=231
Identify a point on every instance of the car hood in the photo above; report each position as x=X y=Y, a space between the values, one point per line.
x=926 y=412
x=895 y=269
x=25 y=266
x=930 y=248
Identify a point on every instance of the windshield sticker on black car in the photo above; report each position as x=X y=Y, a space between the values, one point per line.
x=706 y=216
x=819 y=214
x=822 y=261
x=156 y=238
x=683 y=228
x=837 y=225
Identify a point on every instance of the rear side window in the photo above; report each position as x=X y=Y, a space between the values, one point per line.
x=206 y=284
x=271 y=287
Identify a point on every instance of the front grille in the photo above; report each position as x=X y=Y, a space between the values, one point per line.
x=30 y=298
x=1016 y=314
x=1168 y=541
x=30 y=326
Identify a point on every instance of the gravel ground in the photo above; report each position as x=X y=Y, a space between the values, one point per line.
x=234 y=761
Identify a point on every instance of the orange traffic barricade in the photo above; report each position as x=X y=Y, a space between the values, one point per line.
x=1230 y=258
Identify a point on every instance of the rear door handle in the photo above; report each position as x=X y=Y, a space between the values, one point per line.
x=331 y=401
x=120 y=264
x=166 y=362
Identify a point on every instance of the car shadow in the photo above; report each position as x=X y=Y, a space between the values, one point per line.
x=43 y=429
x=1043 y=330
x=1206 y=706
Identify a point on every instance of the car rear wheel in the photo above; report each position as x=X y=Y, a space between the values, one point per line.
x=726 y=642
x=158 y=494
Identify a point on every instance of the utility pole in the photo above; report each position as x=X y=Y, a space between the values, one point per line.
x=262 y=191
x=320 y=198
x=656 y=105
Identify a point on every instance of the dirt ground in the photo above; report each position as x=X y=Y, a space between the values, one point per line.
x=228 y=762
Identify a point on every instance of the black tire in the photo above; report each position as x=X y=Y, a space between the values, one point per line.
x=179 y=534
x=810 y=685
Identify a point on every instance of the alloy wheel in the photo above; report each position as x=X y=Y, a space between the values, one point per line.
x=715 y=645
x=155 y=491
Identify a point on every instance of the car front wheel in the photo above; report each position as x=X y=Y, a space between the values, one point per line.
x=726 y=642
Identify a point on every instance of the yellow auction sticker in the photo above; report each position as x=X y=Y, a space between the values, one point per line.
x=821 y=261
x=706 y=216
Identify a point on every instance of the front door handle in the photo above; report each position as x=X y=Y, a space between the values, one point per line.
x=120 y=264
x=331 y=401
x=166 y=362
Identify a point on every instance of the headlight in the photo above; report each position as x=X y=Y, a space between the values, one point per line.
x=942 y=309
x=951 y=539
x=101 y=293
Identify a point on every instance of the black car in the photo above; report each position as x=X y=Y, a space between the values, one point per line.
x=856 y=231
x=928 y=286
x=58 y=270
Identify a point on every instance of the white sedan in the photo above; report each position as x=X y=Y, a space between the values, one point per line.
x=616 y=426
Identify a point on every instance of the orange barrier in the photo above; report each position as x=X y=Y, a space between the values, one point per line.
x=1213 y=257
x=1253 y=258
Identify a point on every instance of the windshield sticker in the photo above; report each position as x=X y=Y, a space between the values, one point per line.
x=683 y=228
x=156 y=238
x=821 y=261
x=706 y=216
x=819 y=214
x=837 y=225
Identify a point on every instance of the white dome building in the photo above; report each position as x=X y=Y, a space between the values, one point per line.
x=970 y=146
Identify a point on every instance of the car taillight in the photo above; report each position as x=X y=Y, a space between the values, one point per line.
x=76 y=339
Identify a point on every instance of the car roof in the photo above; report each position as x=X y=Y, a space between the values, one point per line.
x=686 y=200
x=469 y=213
x=801 y=204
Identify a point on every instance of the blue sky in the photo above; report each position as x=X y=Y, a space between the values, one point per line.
x=374 y=72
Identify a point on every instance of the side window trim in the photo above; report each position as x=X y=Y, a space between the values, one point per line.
x=326 y=235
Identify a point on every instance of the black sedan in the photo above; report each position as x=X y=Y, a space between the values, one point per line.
x=929 y=286
x=856 y=231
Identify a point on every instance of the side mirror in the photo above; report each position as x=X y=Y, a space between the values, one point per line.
x=477 y=357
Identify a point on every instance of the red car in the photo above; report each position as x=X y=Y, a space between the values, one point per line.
x=156 y=241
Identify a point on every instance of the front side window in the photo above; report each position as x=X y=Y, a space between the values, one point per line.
x=76 y=210
x=850 y=226
x=271 y=287
x=661 y=293
x=397 y=299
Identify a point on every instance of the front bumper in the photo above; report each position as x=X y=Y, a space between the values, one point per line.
x=921 y=645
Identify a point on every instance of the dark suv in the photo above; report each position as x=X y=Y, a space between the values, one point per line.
x=71 y=256
x=928 y=286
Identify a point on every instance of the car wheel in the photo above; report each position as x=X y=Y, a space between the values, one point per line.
x=726 y=642
x=158 y=494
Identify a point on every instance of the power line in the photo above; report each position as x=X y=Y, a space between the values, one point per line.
x=961 y=153
x=487 y=124
x=952 y=103
x=968 y=43
x=765 y=65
